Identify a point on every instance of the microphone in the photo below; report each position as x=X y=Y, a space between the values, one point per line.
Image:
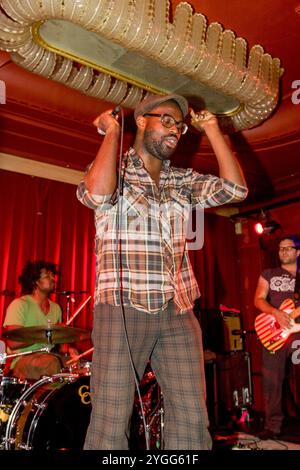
x=114 y=113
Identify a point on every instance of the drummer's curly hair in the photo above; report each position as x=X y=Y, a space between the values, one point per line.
x=31 y=274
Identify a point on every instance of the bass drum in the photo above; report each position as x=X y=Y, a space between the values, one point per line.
x=53 y=414
x=11 y=388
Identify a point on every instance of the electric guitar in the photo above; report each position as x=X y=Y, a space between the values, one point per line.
x=271 y=334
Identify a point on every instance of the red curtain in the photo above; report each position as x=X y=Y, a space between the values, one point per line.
x=216 y=264
x=42 y=219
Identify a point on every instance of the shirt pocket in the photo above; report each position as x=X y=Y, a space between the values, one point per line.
x=180 y=202
x=133 y=209
x=177 y=213
x=135 y=203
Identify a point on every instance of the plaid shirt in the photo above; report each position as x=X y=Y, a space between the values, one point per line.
x=154 y=264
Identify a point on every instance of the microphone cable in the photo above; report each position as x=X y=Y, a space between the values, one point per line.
x=120 y=182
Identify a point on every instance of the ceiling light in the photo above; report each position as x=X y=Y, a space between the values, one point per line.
x=144 y=53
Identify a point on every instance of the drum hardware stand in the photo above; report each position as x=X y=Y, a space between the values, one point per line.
x=77 y=310
x=22 y=446
x=8 y=442
x=162 y=422
x=161 y=412
x=8 y=356
x=48 y=332
x=69 y=300
x=157 y=412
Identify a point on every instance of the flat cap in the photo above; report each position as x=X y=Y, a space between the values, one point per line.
x=152 y=102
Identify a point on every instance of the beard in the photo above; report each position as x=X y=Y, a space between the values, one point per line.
x=158 y=148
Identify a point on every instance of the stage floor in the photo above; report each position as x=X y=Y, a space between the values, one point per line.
x=244 y=436
x=244 y=441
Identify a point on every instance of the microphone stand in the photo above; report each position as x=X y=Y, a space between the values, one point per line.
x=78 y=310
x=242 y=337
x=68 y=306
x=5 y=356
x=8 y=356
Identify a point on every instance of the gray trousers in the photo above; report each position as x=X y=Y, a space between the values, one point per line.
x=173 y=342
x=274 y=371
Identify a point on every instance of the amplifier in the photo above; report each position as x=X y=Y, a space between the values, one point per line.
x=232 y=332
x=234 y=381
x=228 y=386
x=221 y=329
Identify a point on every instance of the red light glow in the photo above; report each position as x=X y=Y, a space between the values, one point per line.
x=259 y=229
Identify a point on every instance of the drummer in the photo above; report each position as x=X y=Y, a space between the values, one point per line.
x=34 y=309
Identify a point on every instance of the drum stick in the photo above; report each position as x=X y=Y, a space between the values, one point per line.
x=78 y=310
x=85 y=353
x=76 y=358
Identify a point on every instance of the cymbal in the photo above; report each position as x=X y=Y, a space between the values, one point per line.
x=54 y=334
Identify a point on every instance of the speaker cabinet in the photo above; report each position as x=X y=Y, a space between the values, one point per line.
x=221 y=329
x=211 y=392
x=234 y=381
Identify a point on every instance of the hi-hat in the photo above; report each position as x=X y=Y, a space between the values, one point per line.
x=53 y=334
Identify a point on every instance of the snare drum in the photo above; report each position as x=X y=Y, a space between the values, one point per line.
x=82 y=368
x=11 y=388
x=53 y=414
x=78 y=368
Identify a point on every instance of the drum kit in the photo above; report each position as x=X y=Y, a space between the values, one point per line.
x=51 y=413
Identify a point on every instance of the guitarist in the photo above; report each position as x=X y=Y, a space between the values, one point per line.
x=273 y=287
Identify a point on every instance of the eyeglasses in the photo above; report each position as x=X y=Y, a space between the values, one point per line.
x=287 y=248
x=168 y=121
